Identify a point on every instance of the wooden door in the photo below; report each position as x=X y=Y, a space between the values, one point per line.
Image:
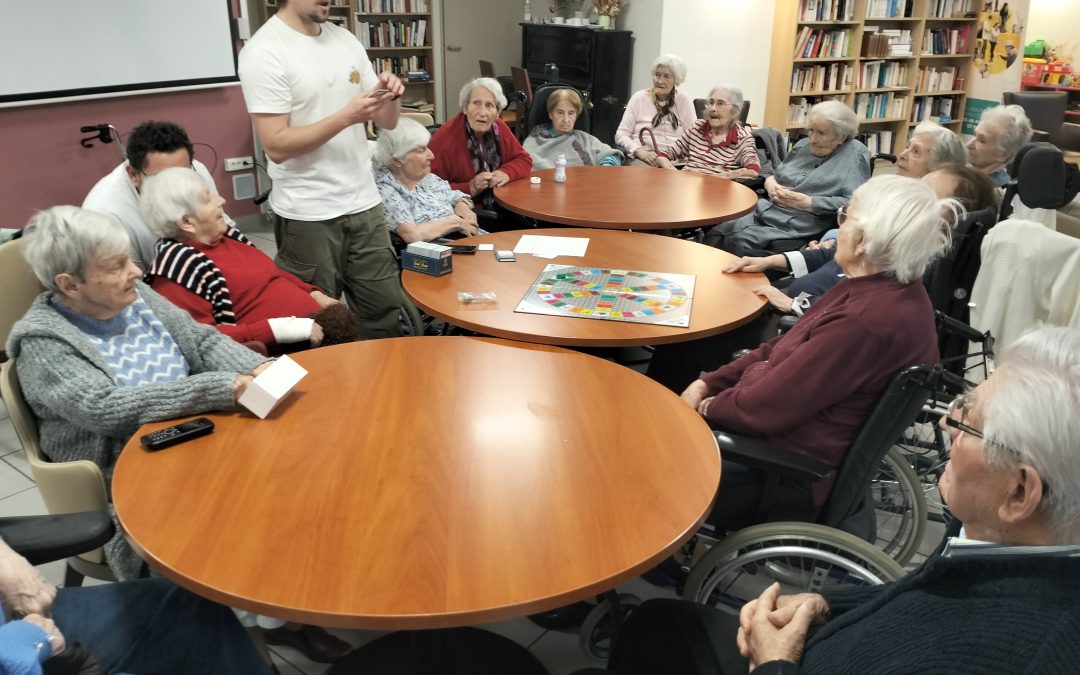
x=474 y=30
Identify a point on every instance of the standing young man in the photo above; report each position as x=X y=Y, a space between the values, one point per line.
x=310 y=87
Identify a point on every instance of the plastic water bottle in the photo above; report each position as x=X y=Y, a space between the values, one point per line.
x=528 y=12
x=560 y=169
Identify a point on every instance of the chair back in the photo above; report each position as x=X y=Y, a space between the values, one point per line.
x=699 y=110
x=850 y=506
x=487 y=68
x=538 y=110
x=522 y=83
x=66 y=487
x=950 y=279
x=1042 y=179
x=20 y=288
x=425 y=120
x=1045 y=110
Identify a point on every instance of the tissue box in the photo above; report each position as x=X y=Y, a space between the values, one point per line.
x=427 y=258
x=272 y=385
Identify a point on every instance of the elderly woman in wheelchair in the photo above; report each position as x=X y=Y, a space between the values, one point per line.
x=546 y=142
x=810 y=390
x=817 y=177
x=717 y=145
x=419 y=205
x=999 y=598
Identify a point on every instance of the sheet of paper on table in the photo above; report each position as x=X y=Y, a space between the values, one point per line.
x=551 y=247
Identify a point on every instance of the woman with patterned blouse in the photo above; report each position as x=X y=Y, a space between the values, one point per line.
x=419 y=205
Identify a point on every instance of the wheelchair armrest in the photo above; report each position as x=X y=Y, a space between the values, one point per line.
x=786 y=323
x=759 y=454
x=42 y=539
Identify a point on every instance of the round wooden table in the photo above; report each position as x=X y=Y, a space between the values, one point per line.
x=426 y=482
x=628 y=198
x=721 y=301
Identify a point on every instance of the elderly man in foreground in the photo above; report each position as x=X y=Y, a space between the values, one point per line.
x=1000 y=599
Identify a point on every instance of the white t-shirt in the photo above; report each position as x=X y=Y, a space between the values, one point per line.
x=311 y=78
x=114 y=194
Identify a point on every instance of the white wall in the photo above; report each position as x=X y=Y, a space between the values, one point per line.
x=644 y=18
x=722 y=41
x=1057 y=22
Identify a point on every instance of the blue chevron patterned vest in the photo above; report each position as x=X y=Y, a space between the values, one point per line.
x=135 y=345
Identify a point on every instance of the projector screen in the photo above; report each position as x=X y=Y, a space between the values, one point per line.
x=74 y=48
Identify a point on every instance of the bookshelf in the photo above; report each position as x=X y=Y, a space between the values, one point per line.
x=398 y=35
x=895 y=62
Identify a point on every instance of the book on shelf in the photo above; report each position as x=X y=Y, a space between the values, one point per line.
x=947 y=41
x=950 y=9
x=876 y=142
x=874 y=44
x=937 y=78
x=392 y=6
x=826 y=10
x=394 y=33
x=879 y=105
x=878 y=74
x=888 y=9
x=831 y=77
x=402 y=66
x=819 y=43
x=932 y=108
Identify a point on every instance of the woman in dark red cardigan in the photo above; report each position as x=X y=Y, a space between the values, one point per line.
x=475 y=150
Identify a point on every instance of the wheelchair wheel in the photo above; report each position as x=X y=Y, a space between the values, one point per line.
x=900 y=507
x=598 y=630
x=803 y=557
x=926 y=448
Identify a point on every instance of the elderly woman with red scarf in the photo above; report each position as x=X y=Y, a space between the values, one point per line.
x=475 y=151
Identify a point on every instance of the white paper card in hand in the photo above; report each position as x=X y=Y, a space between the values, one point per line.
x=271 y=386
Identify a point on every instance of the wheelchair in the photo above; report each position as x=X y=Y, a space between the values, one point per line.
x=832 y=550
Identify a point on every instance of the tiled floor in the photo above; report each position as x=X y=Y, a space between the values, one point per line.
x=559 y=652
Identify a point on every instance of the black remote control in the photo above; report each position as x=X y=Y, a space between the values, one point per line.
x=185 y=431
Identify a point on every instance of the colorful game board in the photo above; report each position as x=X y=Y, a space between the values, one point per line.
x=613 y=295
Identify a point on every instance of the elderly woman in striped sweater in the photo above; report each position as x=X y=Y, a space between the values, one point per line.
x=209 y=268
x=717 y=145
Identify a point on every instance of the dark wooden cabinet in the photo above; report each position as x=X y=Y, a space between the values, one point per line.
x=596 y=61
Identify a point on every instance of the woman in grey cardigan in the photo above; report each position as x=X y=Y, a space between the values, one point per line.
x=99 y=353
x=816 y=179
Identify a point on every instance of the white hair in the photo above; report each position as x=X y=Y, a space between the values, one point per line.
x=168 y=197
x=489 y=83
x=734 y=93
x=1030 y=415
x=1013 y=128
x=839 y=115
x=675 y=63
x=65 y=239
x=904 y=224
x=947 y=148
x=395 y=143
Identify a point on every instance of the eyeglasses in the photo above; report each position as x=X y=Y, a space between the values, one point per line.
x=841 y=215
x=715 y=103
x=960 y=403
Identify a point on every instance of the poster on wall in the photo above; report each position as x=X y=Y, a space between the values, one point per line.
x=999 y=53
